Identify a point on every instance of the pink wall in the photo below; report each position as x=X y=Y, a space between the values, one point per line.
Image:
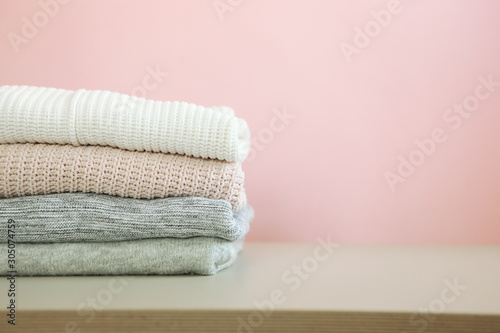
x=353 y=103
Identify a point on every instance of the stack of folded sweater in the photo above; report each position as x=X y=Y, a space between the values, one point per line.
x=102 y=183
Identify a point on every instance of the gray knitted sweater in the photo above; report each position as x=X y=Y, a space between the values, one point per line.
x=160 y=256
x=90 y=217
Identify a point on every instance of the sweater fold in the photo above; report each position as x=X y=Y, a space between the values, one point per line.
x=32 y=169
x=90 y=217
x=160 y=256
x=94 y=117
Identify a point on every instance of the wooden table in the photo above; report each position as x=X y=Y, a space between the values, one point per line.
x=280 y=287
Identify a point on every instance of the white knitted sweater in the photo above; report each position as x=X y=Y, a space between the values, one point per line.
x=83 y=117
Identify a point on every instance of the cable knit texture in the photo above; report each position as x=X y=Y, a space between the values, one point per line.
x=83 y=117
x=164 y=256
x=29 y=169
x=90 y=217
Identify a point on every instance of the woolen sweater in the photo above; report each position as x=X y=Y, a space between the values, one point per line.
x=159 y=256
x=90 y=217
x=29 y=169
x=93 y=117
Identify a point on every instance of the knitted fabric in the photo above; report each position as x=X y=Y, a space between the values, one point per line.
x=163 y=256
x=82 y=117
x=28 y=169
x=90 y=217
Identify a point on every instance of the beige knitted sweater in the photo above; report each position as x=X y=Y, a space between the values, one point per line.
x=28 y=169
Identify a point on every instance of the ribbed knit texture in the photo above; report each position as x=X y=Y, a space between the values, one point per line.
x=29 y=169
x=90 y=217
x=164 y=256
x=82 y=117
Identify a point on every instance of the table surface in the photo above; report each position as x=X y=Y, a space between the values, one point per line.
x=286 y=276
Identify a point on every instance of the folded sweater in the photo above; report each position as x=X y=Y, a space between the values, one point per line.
x=28 y=169
x=90 y=217
x=83 y=117
x=161 y=256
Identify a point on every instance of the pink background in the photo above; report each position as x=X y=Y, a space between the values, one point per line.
x=323 y=172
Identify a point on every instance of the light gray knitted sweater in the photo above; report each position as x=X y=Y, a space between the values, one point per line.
x=161 y=256
x=90 y=217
